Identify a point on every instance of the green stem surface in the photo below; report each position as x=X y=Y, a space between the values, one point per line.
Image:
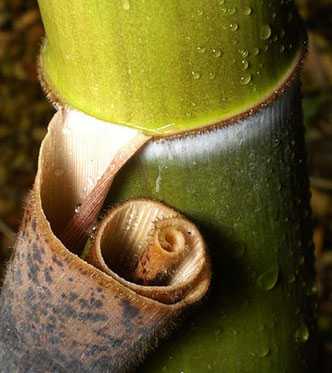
x=167 y=66
x=246 y=187
x=171 y=66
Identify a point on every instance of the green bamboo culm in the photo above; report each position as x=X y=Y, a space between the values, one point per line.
x=167 y=66
x=172 y=66
x=246 y=187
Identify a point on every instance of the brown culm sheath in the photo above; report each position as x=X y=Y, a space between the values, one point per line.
x=60 y=313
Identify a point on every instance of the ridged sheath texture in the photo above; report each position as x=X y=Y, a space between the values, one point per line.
x=58 y=313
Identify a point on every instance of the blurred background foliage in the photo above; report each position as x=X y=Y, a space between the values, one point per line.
x=25 y=113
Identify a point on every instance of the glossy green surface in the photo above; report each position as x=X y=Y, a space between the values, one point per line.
x=246 y=188
x=167 y=66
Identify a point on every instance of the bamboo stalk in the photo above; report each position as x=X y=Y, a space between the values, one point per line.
x=229 y=70
x=246 y=187
x=167 y=66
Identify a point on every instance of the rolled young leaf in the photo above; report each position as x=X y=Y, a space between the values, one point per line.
x=57 y=312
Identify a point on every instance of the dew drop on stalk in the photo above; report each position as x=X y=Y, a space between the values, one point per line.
x=201 y=50
x=247 y=11
x=244 y=53
x=268 y=280
x=245 y=79
x=196 y=75
x=217 y=52
x=245 y=64
x=234 y=26
x=264 y=352
x=256 y=51
x=232 y=11
x=212 y=75
x=265 y=32
x=302 y=333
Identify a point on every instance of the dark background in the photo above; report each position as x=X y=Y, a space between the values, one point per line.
x=25 y=113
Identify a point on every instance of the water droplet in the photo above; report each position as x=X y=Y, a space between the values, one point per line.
x=212 y=75
x=77 y=208
x=265 y=351
x=247 y=11
x=265 y=32
x=126 y=4
x=282 y=48
x=245 y=80
x=232 y=11
x=234 y=26
x=302 y=333
x=201 y=50
x=245 y=64
x=217 y=52
x=196 y=75
x=256 y=51
x=244 y=53
x=268 y=279
x=200 y=12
